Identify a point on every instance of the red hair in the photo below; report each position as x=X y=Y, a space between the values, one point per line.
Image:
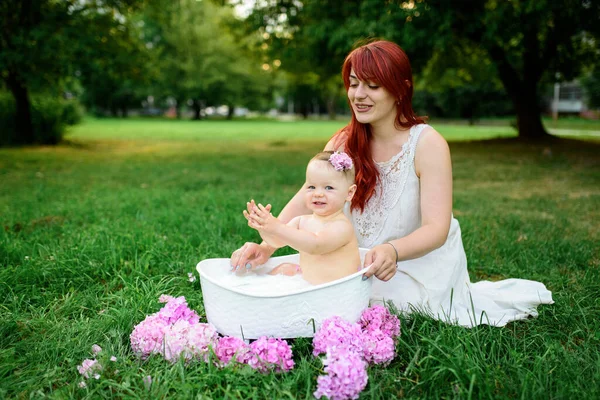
x=387 y=65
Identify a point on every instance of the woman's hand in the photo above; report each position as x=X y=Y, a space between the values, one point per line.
x=250 y=255
x=382 y=262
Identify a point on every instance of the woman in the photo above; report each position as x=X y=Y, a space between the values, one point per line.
x=402 y=209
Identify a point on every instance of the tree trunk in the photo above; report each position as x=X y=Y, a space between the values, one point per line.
x=178 y=104
x=331 y=107
x=230 y=112
x=304 y=110
x=529 y=120
x=523 y=93
x=196 y=107
x=23 y=124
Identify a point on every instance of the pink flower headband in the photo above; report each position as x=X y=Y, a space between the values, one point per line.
x=340 y=161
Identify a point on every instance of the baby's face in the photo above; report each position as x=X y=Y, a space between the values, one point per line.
x=326 y=190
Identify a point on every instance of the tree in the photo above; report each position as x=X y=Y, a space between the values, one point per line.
x=310 y=39
x=114 y=65
x=527 y=41
x=200 y=57
x=460 y=82
x=39 y=42
x=591 y=84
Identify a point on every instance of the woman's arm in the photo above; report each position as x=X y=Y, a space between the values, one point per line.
x=294 y=208
x=434 y=168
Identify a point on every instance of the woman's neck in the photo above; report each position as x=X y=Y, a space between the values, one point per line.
x=387 y=132
x=388 y=135
x=387 y=141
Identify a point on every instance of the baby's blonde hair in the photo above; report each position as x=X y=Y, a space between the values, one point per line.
x=324 y=156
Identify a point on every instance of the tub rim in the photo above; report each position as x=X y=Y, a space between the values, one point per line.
x=291 y=293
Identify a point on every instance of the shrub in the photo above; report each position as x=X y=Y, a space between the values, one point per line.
x=49 y=116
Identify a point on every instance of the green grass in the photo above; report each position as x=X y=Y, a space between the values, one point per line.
x=93 y=231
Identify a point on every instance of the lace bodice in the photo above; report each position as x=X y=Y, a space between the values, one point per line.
x=394 y=210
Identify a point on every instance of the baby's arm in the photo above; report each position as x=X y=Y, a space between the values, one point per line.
x=271 y=240
x=335 y=235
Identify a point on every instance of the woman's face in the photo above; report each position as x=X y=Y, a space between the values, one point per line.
x=372 y=104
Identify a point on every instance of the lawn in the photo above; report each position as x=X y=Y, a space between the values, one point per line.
x=96 y=229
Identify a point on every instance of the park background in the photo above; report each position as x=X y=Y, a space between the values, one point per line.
x=133 y=133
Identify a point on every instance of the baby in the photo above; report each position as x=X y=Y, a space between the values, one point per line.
x=325 y=239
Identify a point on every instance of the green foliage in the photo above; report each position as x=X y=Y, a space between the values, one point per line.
x=517 y=44
x=114 y=64
x=45 y=41
x=200 y=55
x=50 y=117
x=591 y=84
x=94 y=230
x=460 y=82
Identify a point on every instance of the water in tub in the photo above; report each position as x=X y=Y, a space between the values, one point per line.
x=259 y=282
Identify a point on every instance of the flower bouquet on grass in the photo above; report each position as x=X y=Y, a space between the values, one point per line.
x=176 y=333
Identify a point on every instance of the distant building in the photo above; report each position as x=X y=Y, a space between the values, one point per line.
x=571 y=100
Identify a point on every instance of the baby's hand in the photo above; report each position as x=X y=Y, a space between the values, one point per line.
x=252 y=208
x=260 y=218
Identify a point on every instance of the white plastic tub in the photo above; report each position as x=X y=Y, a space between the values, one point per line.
x=235 y=312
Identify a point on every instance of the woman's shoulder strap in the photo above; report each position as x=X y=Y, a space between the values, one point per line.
x=415 y=133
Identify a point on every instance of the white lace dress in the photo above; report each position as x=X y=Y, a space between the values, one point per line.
x=437 y=283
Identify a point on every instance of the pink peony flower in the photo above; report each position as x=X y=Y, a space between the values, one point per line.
x=89 y=368
x=378 y=347
x=96 y=349
x=270 y=354
x=165 y=298
x=190 y=341
x=176 y=309
x=335 y=332
x=113 y=358
x=147 y=336
x=229 y=347
x=340 y=161
x=379 y=318
x=346 y=375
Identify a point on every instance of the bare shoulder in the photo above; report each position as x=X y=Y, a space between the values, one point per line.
x=430 y=140
x=432 y=150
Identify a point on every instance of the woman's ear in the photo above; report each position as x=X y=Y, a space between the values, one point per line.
x=351 y=191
